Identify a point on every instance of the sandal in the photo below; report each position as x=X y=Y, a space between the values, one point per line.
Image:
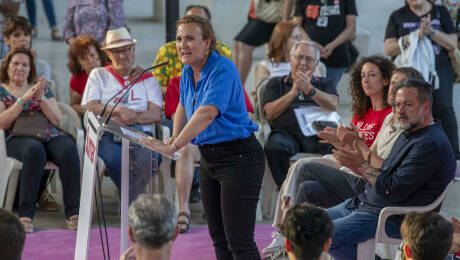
x=27 y=224
x=182 y=222
x=56 y=35
x=72 y=222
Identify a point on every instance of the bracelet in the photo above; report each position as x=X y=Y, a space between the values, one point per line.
x=20 y=101
x=312 y=92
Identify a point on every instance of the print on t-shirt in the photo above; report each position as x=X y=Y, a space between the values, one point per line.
x=367 y=131
x=313 y=11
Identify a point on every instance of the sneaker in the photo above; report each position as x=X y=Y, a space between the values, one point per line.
x=56 y=35
x=275 y=245
x=48 y=202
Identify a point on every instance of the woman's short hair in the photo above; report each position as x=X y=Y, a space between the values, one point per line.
x=206 y=28
x=361 y=102
x=79 y=48
x=14 y=23
x=4 y=77
x=278 y=41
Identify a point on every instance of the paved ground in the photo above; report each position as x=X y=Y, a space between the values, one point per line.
x=150 y=35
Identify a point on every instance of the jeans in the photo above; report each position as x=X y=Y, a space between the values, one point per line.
x=110 y=152
x=230 y=179
x=325 y=186
x=443 y=108
x=335 y=74
x=352 y=227
x=33 y=154
x=49 y=11
x=282 y=144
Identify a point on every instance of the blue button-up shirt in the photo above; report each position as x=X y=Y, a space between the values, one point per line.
x=219 y=85
x=416 y=172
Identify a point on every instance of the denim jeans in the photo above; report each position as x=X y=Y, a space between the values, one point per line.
x=335 y=74
x=230 y=179
x=49 y=11
x=352 y=227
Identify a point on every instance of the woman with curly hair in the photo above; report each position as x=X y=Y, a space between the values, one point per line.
x=369 y=85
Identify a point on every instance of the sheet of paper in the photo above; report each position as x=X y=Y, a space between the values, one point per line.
x=307 y=115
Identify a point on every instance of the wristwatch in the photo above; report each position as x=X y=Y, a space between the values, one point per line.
x=20 y=101
x=312 y=92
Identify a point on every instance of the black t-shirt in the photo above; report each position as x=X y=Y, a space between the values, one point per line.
x=324 y=22
x=403 y=21
x=280 y=86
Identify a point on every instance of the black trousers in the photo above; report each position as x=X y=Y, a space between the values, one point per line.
x=282 y=144
x=33 y=154
x=443 y=107
x=325 y=186
x=230 y=179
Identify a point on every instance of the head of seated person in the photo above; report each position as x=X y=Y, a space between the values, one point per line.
x=369 y=84
x=12 y=236
x=120 y=48
x=17 y=32
x=198 y=10
x=284 y=36
x=308 y=231
x=397 y=75
x=426 y=236
x=85 y=54
x=152 y=226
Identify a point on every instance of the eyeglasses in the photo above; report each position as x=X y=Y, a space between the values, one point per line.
x=307 y=59
x=125 y=50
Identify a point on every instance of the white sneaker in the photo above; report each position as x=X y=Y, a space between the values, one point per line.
x=277 y=243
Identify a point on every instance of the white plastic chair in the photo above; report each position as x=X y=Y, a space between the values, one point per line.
x=366 y=250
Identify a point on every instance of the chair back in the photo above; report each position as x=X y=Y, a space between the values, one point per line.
x=260 y=93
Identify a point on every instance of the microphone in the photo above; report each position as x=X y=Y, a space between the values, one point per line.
x=127 y=88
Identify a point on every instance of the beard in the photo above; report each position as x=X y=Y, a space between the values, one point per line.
x=403 y=123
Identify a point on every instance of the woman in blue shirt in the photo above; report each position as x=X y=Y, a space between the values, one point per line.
x=212 y=114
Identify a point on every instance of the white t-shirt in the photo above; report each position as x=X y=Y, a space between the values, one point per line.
x=276 y=69
x=102 y=85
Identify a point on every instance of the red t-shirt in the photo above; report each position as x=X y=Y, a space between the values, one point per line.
x=78 y=82
x=173 y=93
x=369 y=124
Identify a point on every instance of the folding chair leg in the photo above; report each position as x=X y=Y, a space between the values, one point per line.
x=11 y=191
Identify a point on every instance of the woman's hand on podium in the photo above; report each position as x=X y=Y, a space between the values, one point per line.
x=157 y=145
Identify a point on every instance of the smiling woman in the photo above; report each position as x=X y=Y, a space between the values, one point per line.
x=212 y=114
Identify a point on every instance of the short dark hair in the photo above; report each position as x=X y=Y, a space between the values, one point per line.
x=428 y=235
x=410 y=72
x=12 y=235
x=204 y=8
x=14 y=23
x=307 y=228
x=424 y=89
x=5 y=78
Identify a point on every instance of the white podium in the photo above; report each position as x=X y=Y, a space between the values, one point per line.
x=138 y=164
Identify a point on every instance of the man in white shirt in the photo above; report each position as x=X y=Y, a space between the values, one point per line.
x=140 y=108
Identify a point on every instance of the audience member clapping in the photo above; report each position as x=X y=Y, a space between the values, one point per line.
x=12 y=236
x=308 y=231
x=84 y=54
x=44 y=142
x=152 y=228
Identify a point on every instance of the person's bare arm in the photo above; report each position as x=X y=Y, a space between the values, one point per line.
x=392 y=47
x=7 y=116
x=149 y=116
x=372 y=157
x=275 y=108
x=448 y=41
x=261 y=72
x=303 y=34
x=287 y=9
x=75 y=101
x=348 y=34
x=326 y=100
x=121 y=114
x=51 y=110
x=179 y=120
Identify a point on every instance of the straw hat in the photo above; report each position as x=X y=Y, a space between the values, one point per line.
x=118 y=38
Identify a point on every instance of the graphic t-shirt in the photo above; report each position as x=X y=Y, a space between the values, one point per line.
x=403 y=21
x=324 y=20
x=370 y=123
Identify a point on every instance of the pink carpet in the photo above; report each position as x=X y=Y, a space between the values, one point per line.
x=60 y=244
